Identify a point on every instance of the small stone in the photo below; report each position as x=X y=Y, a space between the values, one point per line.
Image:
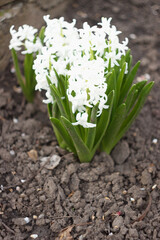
x=50 y=188
x=15 y=120
x=74 y=184
x=88 y=176
x=55 y=227
x=121 y=152
x=133 y=233
x=51 y=162
x=12 y=152
x=40 y=222
x=23 y=180
x=71 y=168
x=18 y=189
x=154 y=186
x=140 y=203
x=146 y=178
x=76 y=197
x=26 y=219
x=132 y=36
x=21 y=221
x=132 y=199
x=65 y=177
x=123 y=230
x=34 y=236
x=155 y=140
x=117 y=222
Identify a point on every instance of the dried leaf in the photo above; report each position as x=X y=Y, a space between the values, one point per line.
x=51 y=162
x=65 y=234
x=33 y=154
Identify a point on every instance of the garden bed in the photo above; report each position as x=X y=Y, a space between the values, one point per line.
x=113 y=197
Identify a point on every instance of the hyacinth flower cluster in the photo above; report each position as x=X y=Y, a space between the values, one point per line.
x=87 y=76
x=25 y=41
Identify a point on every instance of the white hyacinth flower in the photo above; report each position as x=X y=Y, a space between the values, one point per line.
x=82 y=56
x=82 y=120
x=25 y=37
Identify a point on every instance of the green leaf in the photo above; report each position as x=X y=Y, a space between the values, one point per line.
x=110 y=82
x=82 y=150
x=113 y=128
x=103 y=121
x=128 y=82
x=20 y=78
x=30 y=81
x=133 y=114
x=58 y=99
x=91 y=133
x=49 y=106
x=131 y=97
x=63 y=133
x=41 y=34
x=119 y=82
x=128 y=59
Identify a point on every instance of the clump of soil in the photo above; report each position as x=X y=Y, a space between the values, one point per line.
x=45 y=193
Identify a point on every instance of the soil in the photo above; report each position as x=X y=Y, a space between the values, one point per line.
x=45 y=193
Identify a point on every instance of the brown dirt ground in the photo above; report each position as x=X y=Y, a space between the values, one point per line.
x=113 y=197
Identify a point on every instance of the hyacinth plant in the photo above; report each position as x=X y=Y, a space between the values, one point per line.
x=26 y=41
x=88 y=78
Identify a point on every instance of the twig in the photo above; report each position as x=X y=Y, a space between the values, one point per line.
x=146 y=210
x=9 y=229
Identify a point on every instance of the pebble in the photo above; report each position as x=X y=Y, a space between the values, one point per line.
x=76 y=197
x=34 y=236
x=21 y=221
x=12 y=152
x=133 y=36
x=121 y=152
x=50 y=188
x=15 y=120
x=133 y=233
x=117 y=222
x=155 y=140
x=146 y=178
x=71 y=168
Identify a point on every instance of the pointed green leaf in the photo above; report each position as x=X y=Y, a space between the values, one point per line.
x=58 y=99
x=82 y=150
x=103 y=122
x=63 y=133
x=91 y=133
x=41 y=34
x=131 y=97
x=128 y=82
x=113 y=128
x=131 y=117
x=119 y=82
x=20 y=78
x=110 y=82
